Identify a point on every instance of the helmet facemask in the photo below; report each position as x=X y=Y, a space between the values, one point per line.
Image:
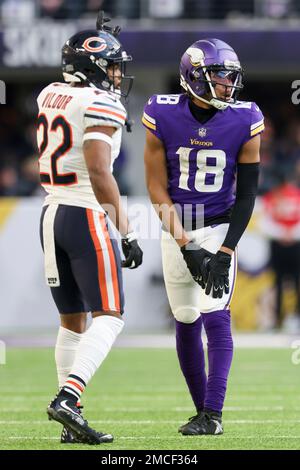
x=116 y=79
x=229 y=78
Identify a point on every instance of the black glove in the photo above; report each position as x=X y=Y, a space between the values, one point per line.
x=132 y=251
x=197 y=259
x=218 y=275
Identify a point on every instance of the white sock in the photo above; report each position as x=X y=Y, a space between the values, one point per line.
x=93 y=348
x=65 y=351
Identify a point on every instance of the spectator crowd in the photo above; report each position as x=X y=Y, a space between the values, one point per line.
x=18 y=10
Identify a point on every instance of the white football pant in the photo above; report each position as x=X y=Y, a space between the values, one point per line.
x=187 y=299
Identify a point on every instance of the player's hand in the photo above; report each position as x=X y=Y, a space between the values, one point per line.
x=197 y=259
x=218 y=275
x=132 y=251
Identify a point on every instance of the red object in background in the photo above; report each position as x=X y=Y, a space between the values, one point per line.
x=283 y=205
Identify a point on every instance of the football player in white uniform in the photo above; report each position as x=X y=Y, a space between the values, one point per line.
x=79 y=135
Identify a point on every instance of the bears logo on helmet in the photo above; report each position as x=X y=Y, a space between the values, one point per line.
x=89 y=48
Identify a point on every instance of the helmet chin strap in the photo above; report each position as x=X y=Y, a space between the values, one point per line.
x=215 y=102
x=219 y=104
x=116 y=91
x=68 y=77
x=77 y=77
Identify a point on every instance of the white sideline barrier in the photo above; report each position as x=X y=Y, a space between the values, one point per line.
x=26 y=302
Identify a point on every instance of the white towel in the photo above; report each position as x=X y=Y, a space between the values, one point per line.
x=51 y=270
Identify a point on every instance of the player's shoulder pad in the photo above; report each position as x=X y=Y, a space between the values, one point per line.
x=159 y=102
x=149 y=114
x=96 y=96
x=246 y=105
x=256 y=120
x=250 y=116
x=48 y=88
x=103 y=108
x=156 y=106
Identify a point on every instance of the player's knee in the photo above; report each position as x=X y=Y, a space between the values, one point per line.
x=214 y=306
x=186 y=314
x=111 y=314
x=76 y=322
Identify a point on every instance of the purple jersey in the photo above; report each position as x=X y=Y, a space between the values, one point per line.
x=201 y=158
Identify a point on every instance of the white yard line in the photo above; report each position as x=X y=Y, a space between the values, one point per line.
x=190 y=410
x=177 y=409
x=156 y=422
x=137 y=398
x=136 y=438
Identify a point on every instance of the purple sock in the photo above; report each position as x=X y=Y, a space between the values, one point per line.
x=220 y=352
x=191 y=358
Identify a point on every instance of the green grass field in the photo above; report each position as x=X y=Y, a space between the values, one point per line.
x=139 y=395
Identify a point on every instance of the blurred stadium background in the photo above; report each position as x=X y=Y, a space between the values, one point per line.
x=266 y=36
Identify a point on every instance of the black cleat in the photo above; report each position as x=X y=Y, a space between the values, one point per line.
x=203 y=423
x=67 y=437
x=193 y=418
x=68 y=414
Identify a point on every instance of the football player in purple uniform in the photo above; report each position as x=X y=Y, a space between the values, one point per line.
x=197 y=144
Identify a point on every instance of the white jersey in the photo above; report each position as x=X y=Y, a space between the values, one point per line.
x=64 y=114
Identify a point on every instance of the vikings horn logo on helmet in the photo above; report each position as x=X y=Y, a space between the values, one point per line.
x=196 y=56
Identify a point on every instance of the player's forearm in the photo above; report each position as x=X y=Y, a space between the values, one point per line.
x=240 y=217
x=107 y=194
x=247 y=183
x=166 y=211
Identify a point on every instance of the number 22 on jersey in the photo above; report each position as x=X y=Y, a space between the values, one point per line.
x=54 y=177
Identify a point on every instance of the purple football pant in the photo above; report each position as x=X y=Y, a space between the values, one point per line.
x=208 y=394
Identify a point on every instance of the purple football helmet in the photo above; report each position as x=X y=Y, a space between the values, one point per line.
x=207 y=63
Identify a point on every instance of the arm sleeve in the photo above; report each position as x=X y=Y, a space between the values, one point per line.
x=246 y=190
x=150 y=118
x=104 y=110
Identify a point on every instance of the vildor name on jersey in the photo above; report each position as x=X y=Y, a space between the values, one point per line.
x=53 y=100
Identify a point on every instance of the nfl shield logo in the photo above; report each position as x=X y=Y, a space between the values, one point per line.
x=202 y=132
